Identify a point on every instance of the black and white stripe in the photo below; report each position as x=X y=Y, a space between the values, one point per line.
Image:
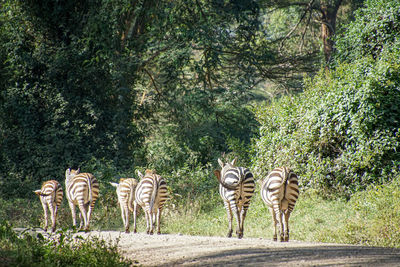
x=126 y=196
x=82 y=189
x=280 y=191
x=236 y=187
x=50 y=195
x=151 y=194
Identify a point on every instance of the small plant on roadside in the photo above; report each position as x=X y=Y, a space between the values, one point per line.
x=61 y=249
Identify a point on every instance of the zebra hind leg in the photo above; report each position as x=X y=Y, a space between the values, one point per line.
x=147 y=222
x=135 y=206
x=53 y=214
x=159 y=222
x=282 y=225
x=275 y=236
x=286 y=234
x=44 y=205
x=236 y=213
x=89 y=207
x=127 y=220
x=229 y=213
x=239 y=230
x=243 y=213
x=83 y=217
x=72 y=208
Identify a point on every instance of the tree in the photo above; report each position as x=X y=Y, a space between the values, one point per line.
x=63 y=101
x=342 y=133
x=313 y=13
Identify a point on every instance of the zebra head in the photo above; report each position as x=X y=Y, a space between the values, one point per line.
x=147 y=173
x=70 y=173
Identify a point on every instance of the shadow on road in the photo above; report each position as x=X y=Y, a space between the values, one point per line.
x=307 y=256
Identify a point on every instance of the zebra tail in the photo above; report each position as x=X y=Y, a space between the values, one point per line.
x=130 y=201
x=154 y=194
x=90 y=189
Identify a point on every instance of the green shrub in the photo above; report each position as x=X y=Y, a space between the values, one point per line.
x=62 y=249
x=376 y=26
x=342 y=132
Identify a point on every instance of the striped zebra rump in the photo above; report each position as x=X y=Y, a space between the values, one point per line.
x=236 y=188
x=151 y=194
x=280 y=191
x=50 y=195
x=82 y=189
x=126 y=196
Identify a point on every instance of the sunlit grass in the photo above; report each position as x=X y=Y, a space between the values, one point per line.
x=370 y=217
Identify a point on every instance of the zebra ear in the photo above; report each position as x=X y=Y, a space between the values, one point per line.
x=37 y=192
x=67 y=173
x=114 y=184
x=234 y=162
x=140 y=174
x=220 y=163
x=78 y=171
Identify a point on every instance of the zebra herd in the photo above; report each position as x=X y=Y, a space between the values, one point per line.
x=279 y=191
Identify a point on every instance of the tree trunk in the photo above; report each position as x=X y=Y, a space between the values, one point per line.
x=329 y=11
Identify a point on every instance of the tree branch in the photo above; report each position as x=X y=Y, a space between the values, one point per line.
x=309 y=5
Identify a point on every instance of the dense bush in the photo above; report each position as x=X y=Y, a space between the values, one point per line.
x=342 y=132
x=377 y=26
x=62 y=99
x=62 y=249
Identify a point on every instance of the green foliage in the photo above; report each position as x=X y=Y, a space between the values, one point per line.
x=199 y=80
x=377 y=215
x=62 y=249
x=62 y=103
x=375 y=28
x=146 y=83
x=342 y=133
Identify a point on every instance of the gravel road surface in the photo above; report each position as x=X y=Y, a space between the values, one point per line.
x=181 y=250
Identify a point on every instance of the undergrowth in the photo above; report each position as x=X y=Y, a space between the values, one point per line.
x=370 y=217
x=61 y=249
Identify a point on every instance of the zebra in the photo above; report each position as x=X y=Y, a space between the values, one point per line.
x=280 y=191
x=236 y=187
x=82 y=189
x=151 y=194
x=50 y=195
x=126 y=196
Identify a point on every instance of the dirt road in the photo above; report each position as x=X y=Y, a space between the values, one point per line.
x=180 y=250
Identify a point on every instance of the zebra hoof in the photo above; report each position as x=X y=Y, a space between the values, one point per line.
x=45 y=229
x=229 y=233
x=239 y=234
x=53 y=230
x=158 y=233
x=127 y=231
x=134 y=231
x=275 y=238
